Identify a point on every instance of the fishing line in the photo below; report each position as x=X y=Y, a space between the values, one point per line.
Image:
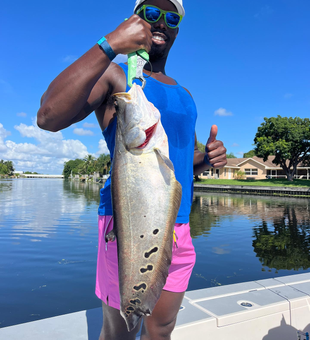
x=148 y=62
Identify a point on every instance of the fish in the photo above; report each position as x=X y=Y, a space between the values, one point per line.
x=145 y=198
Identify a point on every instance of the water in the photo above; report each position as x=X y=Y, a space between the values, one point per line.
x=48 y=244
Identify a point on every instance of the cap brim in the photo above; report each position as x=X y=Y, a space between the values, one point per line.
x=179 y=7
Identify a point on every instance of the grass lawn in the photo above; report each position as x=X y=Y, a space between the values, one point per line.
x=279 y=182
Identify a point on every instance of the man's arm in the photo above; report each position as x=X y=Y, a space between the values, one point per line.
x=215 y=155
x=84 y=86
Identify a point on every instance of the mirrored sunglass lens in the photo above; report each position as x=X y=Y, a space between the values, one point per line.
x=152 y=14
x=172 y=19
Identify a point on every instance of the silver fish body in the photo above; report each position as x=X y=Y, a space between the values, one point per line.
x=146 y=198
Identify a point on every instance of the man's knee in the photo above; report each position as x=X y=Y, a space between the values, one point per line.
x=154 y=330
x=114 y=326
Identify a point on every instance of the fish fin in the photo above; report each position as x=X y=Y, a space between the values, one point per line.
x=131 y=320
x=125 y=96
x=166 y=160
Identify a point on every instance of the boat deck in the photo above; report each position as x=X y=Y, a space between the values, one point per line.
x=271 y=309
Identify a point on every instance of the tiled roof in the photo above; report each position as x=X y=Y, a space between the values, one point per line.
x=236 y=162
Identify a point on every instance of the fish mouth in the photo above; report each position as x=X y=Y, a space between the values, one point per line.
x=149 y=134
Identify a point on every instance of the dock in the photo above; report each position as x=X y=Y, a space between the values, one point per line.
x=270 y=309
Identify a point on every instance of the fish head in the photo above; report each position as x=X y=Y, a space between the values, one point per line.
x=138 y=121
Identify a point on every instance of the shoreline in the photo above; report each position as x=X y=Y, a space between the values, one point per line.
x=254 y=190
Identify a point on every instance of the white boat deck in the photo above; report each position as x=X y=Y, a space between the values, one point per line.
x=271 y=309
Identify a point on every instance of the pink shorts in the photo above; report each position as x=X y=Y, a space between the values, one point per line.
x=183 y=260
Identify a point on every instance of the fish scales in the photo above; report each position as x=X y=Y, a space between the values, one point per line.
x=146 y=198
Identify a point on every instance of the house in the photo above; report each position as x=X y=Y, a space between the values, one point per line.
x=254 y=168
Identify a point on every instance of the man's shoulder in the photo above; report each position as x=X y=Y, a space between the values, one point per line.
x=187 y=91
x=115 y=78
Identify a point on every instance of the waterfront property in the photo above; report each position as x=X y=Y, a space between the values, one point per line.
x=254 y=168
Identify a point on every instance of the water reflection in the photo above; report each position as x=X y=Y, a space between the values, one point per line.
x=38 y=207
x=225 y=206
x=5 y=185
x=48 y=246
x=284 y=243
x=48 y=240
x=281 y=226
x=89 y=191
x=202 y=217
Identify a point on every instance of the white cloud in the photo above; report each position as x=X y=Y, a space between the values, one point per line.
x=240 y=153
x=102 y=147
x=89 y=125
x=83 y=132
x=222 y=112
x=69 y=59
x=21 y=114
x=3 y=132
x=46 y=155
x=264 y=12
x=235 y=145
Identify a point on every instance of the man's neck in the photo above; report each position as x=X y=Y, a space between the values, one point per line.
x=157 y=71
x=156 y=66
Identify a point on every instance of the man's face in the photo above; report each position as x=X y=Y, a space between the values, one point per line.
x=163 y=36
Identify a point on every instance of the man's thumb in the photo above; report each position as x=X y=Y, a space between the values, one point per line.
x=213 y=133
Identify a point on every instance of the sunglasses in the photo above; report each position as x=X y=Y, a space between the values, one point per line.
x=153 y=14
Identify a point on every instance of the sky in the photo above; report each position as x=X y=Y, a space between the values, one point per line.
x=242 y=60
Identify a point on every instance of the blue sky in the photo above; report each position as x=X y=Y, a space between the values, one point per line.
x=241 y=60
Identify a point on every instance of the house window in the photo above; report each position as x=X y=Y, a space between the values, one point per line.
x=224 y=172
x=206 y=173
x=251 y=172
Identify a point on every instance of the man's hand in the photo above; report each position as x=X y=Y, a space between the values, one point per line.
x=131 y=35
x=216 y=152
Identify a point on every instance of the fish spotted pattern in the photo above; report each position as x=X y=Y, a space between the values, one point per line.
x=146 y=198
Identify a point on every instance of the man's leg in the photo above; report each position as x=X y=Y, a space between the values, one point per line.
x=160 y=325
x=114 y=326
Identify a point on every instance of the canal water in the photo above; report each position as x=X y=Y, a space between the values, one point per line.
x=48 y=244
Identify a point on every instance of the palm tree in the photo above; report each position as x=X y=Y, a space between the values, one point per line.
x=103 y=164
x=89 y=164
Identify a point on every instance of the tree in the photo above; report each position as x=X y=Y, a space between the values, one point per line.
x=288 y=139
x=201 y=147
x=89 y=165
x=6 y=167
x=230 y=155
x=284 y=244
x=103 y=164
x=240 y=175
x=72 y=166
x=249 y=154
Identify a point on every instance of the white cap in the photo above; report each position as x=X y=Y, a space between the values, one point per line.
x=177 y=3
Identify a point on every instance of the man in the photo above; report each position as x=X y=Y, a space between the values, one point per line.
x=86 y=86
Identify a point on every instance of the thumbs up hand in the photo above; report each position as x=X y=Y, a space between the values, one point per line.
x=215 y=150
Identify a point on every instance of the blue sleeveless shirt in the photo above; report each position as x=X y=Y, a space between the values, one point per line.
x=178 y=117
